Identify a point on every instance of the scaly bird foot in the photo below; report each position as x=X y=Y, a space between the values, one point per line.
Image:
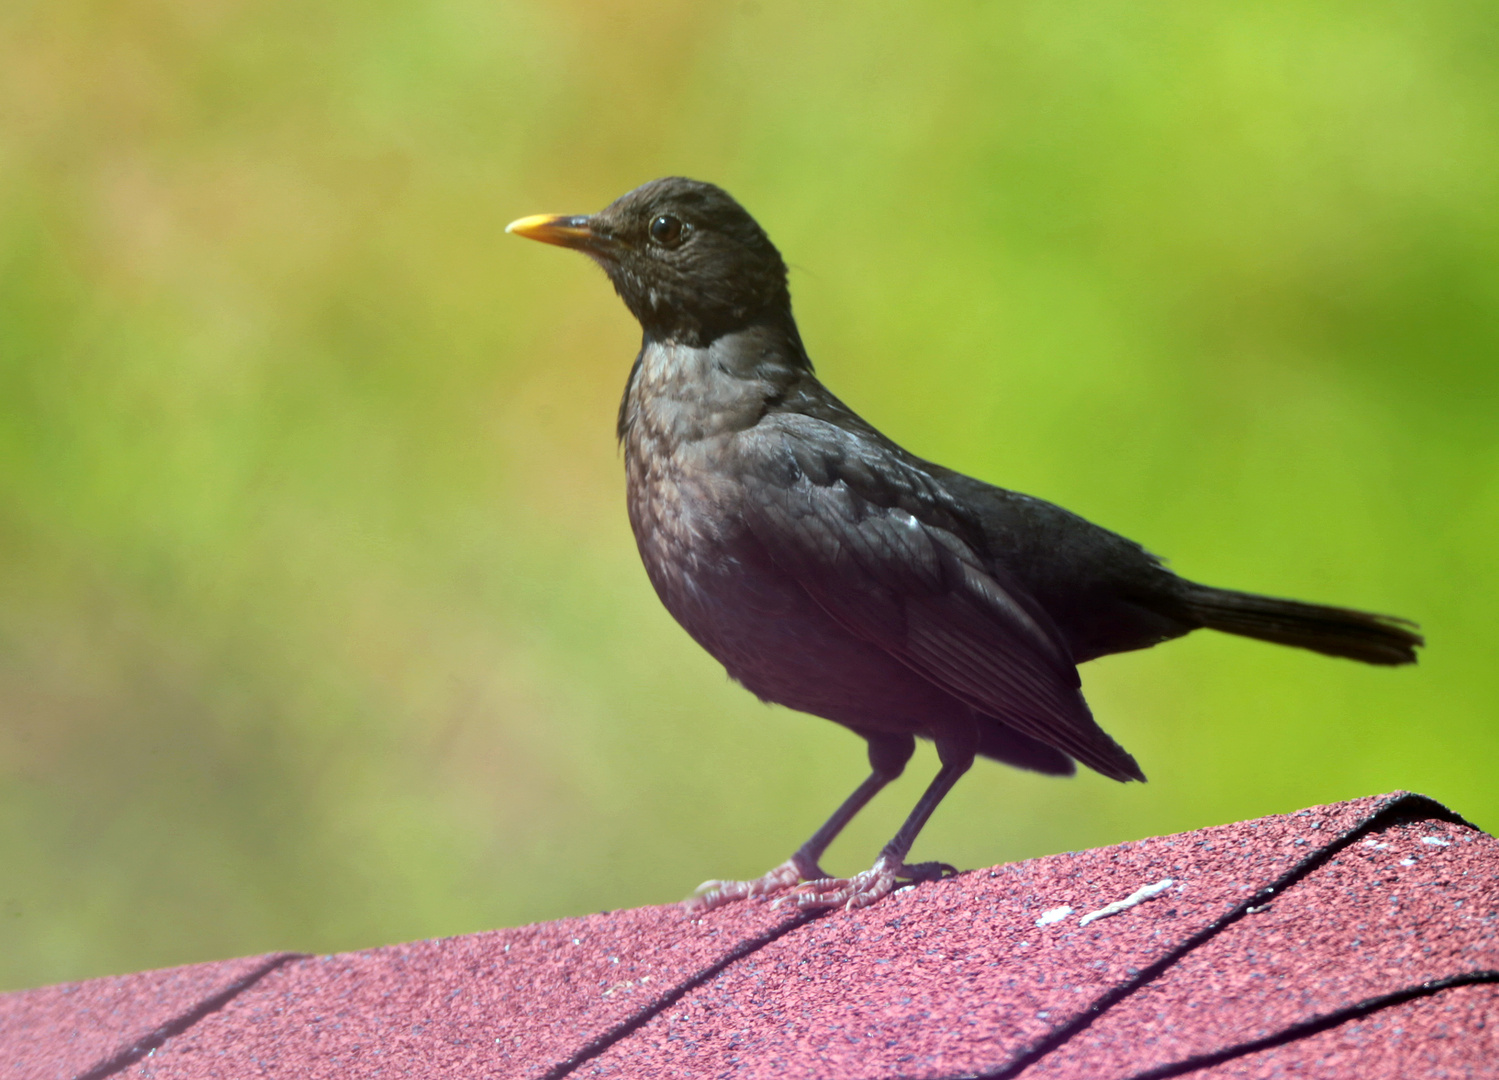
x=712 y=894
x=863 y=889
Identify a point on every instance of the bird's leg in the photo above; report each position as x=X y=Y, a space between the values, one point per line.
x=888 y=755
x=880 y=880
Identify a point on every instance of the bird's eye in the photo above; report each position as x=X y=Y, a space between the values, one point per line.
x=668 y=231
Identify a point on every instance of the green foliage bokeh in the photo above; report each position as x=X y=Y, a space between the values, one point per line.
x=321 y=625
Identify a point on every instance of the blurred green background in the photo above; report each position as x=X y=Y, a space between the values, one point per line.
x=321 y=624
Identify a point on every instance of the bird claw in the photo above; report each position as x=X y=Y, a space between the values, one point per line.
x=713 y=894
x=864 y=888
x=810 y=888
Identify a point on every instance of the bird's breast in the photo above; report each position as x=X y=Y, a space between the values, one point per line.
x=683 y=412
x=687 y=508
x=687 y=515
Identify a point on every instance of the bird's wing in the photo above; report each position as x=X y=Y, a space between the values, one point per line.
x=886 y=551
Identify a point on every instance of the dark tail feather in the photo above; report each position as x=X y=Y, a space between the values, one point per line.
x=1358 y=635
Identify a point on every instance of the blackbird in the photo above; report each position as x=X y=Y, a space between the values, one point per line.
x=831 y=571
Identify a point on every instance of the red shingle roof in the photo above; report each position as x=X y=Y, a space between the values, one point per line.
x=1354 y=939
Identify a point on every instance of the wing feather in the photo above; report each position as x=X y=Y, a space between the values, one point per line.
x=885 y=550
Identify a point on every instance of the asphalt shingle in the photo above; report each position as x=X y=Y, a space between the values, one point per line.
x=1350 y=940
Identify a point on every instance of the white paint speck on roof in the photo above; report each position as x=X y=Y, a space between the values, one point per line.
x=1139 y=896
x=1055 y=915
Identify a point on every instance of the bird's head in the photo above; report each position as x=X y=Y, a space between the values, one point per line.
x=687 y=259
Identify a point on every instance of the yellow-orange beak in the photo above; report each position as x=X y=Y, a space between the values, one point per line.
x=571 y=232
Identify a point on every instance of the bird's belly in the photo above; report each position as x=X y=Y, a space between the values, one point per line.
x=773 y=638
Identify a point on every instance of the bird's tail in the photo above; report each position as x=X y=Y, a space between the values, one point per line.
x=1358 y=635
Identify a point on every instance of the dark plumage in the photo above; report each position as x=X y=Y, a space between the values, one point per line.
x=833 y=572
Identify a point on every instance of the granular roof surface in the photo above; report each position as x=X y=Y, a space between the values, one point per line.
x=1359 y=939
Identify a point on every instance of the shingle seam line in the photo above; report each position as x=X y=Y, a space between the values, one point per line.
x=1316 y=1024
x=627 y=1027
x=1415 y=807
x=178 y=1024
